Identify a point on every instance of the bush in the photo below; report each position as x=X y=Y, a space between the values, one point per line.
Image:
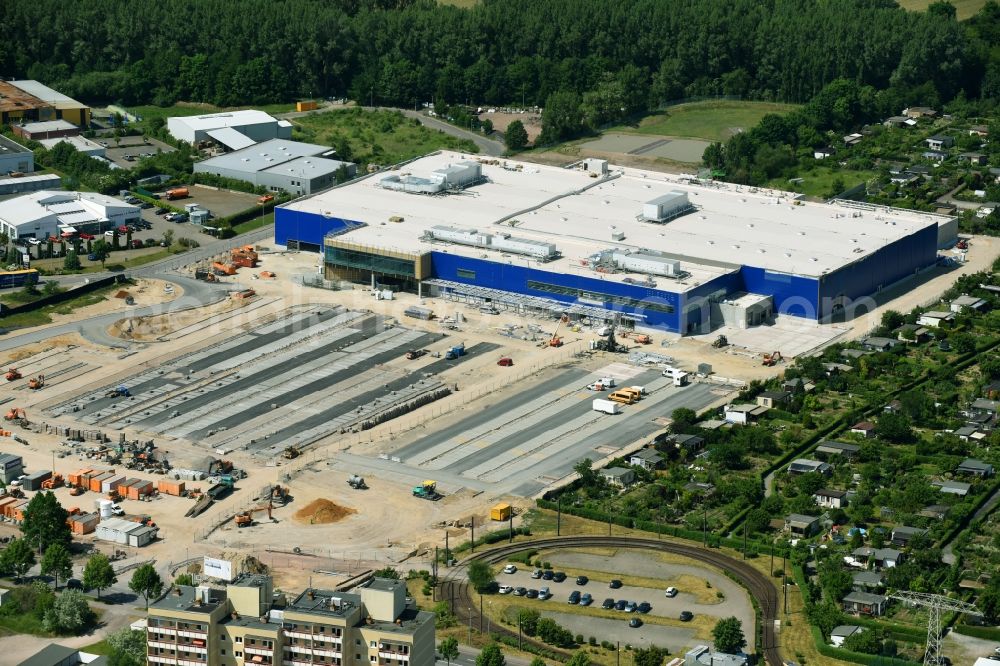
x=579 y=639
x=69 y=614
x=592 y=641
x=607 y=645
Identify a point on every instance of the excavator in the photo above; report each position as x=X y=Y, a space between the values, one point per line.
x=772 y=359
x=720 y=342
x=245 y=518
x=36 y=383
x=290 y=453
x=608 y=343
x=13 y=375
x=16 y=413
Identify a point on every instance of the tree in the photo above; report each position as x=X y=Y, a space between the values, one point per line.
x=17 y=557
x=894 y=428
x=728 y=635
x=487 y=126
x=516 y=137
x=682 y=418
x=98 y=574
x=891 y=320
x=69 y=614
x=100 y=250
x=651 y=656
x=527 y=620
x=561 y=117
x=45 y=522
x=584 y=468
x=387 y=572
x=491 y=656
x=146 y=583
x=72 y=261
x=448 y=648
x=866 y=641
x=480 y=575
x=184 y=579
x=128 y=648
x=168 y=237
x=57 y=563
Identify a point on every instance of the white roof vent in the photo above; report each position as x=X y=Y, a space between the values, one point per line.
x=736 y=247
x=802 y=233
x=813 y=259
x=788 y=255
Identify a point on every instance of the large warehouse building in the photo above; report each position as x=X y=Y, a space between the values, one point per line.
x=47 y=213
x=25 y=101
x=14 y=157
x=665 y=251
x=280 y=165
x=232 y=129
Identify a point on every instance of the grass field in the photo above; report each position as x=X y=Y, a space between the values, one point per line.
x=712 y=120
x=376 y=137
x=149 y=111
x=965 y=8
x=43 y=315
x=818 y=181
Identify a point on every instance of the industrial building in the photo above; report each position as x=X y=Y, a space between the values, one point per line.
x=26 y=101
x=280 y=165
x=248 y=622
x=15 y=158
x=664 y=251
x=11 y=467
x=46 y=129
x=79 y=143
x=125 y=532
x=19 y=184
x=48 y=213
x=233 y=129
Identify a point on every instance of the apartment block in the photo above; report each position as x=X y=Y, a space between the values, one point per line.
x=249 y=623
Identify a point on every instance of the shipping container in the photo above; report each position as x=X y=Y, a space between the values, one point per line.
x=96 y=482
x=16 y=511
x=168 y=487
x=305 y=106
x=607 y=406
x=500 y=512
x=112 y=482
x=140 y=489
x=84 y=523
x=34 y=480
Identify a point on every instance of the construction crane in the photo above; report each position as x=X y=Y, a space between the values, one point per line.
x=555 y=340
x=935 y=603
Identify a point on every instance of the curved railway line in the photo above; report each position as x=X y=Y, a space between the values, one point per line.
x=455 y=585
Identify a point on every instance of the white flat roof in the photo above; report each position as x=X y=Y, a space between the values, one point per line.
x=44 y=203
x=49 y=126
x=266 y=155
x=225 y=119
x=81 y=143
x=46 y=94
x=230 y=138
x=732 y=225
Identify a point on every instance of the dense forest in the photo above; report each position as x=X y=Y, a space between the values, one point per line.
x=403 y=52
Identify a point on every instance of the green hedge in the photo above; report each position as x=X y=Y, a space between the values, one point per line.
x=491 y=538
x=855 y=657
x=986 y=633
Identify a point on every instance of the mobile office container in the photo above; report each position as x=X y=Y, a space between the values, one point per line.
x=140 y=489
x=34 y=480
x=110 y=484
x=624 y=397
x=167 y=487
x=500 y=512
x=607 y=406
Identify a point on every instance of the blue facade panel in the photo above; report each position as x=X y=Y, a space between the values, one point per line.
x=651 y=303
x=697 y=307
x=792 y=294
x=297 y=225
x=880 y=269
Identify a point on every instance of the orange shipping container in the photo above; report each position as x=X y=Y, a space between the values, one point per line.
x=139 y=489
x=175 y=488
x=96 y=481
x=305 y=106
x=17 y=511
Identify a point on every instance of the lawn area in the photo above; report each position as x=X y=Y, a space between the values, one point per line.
x=818 y=181
x=965 y=8
x=100 y=648
x=712 y=120
x=43 y=316
x=464 y=4
x=116 y=261
x=255 y=223
x=375 y=137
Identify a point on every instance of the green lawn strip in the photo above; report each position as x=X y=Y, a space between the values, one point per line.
x=711 y=120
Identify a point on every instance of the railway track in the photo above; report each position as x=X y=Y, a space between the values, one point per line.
x=455 y=585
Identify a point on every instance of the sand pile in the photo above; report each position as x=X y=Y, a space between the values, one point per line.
x=323 y=512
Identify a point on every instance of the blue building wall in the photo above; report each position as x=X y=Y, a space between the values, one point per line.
x=793 y=294
x=880 y=269
x=305 y=227
x=697 y=310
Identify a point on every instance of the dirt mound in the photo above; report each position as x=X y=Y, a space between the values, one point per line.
x=323 y=512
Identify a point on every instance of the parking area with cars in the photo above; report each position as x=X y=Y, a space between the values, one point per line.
x=130 y=149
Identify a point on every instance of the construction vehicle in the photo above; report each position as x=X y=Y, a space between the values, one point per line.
x=53 y=482
x=608 y=343
x=772 y=359
x=426 y=490
x=36 y=383
x=177 y=193
x=245 y=518
x=16 y=414
x=223 y=269
x=119 y=392
x=505 y=362
x=204 y=274
x=414 y=354
x=219 y=490
x=455 y=352
x=720 y=342
x=222 y=466
x=554 y=340
x=77 y=491
x=13 y=375
x=357 y=482
x=962 y=245
x=277 y=493
x=290 y=453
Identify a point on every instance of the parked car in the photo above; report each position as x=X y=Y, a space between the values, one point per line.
x=91 y=257
x=671 y=592
x=137 y=244
x=574 y=597
x=161 y=210
x=544 y=593
x=630 y=607
x=145 y=205
x=110 y=233
x=635 y=623
x=686 y=616
x=559 y=576
x=86 y=236
x=547 y=574
x=582 y=580
x=536 y=574
x=510 y=568
x=532 y=594
x=520 y=591
x=506 y=589
x=615 y=584
x=644 y=607
x=620 y=605
x=586 y=599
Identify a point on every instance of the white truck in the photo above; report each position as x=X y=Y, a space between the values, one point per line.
x=680 y=377
x=602 y=384
x=607 y=406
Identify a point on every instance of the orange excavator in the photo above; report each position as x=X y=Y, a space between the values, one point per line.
x=245 y=518
x=54 y=481
x=15 y=413
x=223 y=269
x=36 y=383
x=772 y=359
x=13 y=375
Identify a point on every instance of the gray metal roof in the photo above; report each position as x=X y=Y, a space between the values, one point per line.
x=265 y=155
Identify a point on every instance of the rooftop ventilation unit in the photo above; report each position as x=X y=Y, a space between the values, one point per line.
x=500 y=242
x=647 y=263
x=668 y=207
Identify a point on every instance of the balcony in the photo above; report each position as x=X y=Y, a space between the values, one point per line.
x=300 y=649
x=160 y=644
x=162 y=630
x=191 y=662
x=298 y=634
x=263 y=651
x=157 y=659
x=384 y=654
x=192 y=633
x=295 y=662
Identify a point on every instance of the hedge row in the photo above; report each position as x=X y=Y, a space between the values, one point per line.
x=986 y=633
x=855 y=657
x=491 y=538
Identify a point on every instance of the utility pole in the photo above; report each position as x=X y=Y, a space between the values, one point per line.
x=704 y=526
x=744 y=539
x=559 y=517
x=510 y=538
x=434 y=573
x=447 y=550
x=472 y=522
x=784 y=582
x=618 y=654
x=480 y=612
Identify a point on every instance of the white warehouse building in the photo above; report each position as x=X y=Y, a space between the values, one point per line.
x=125 y=532
x=48 y=213
x=232 y=129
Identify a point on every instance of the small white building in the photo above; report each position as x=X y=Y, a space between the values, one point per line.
x=831 y=499
x=935 y=318
x=42 y=214
x=79 y=143
x=842 y=633
x=744 y=414
x=125 y=532
x=967 y=302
